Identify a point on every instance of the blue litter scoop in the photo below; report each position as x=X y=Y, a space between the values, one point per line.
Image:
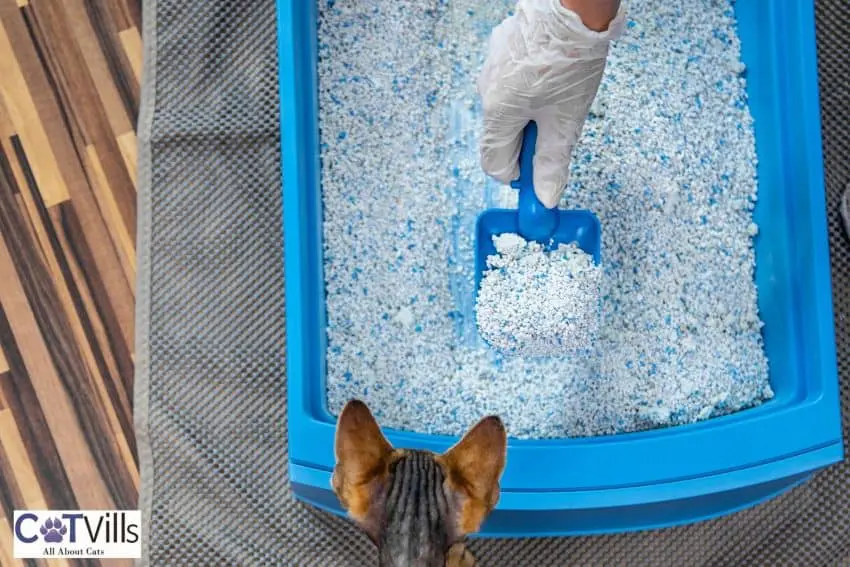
x=551 y=228
x=532 y=220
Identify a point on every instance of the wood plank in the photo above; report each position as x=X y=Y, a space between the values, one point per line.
x=20 y=398
x=74 y=299
x=108 y=23
x=101 y=353
x=6 y=543
x=51 y=234
x=33 y=228
x=19 y=99
x=35 y=319
x=112 y=359
x=98 y=67
x=55 y=36
x=132 y=42
x=129 y=151
x=74 y=367
x=18 y=486
x=77 y=460
x=6 y=127
x=69 y=226
x=105 y=267
x=69 y=96
x=121 y=239
x=21 y=467
x=11 y=168
x=116 y=14
x=134 y=11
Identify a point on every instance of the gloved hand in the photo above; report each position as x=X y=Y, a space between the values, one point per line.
x=544 y=65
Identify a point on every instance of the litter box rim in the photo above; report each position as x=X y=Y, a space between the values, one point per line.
x=781 y=441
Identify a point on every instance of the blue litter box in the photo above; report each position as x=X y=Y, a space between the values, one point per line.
x=640 y=480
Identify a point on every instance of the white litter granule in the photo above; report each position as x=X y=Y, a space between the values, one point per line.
x=534 y=302
x=666 y=161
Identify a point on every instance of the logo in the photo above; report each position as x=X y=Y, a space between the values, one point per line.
x=81 y=534
x=53 y=530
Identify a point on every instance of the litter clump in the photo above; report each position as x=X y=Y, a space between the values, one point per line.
x=533 y=302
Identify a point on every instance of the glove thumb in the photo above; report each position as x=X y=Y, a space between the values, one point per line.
x=552 y=160
x=500 y=143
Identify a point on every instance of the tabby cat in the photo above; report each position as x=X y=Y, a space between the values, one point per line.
x=416 y=506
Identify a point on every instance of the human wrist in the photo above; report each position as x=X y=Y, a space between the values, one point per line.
x=596 y=15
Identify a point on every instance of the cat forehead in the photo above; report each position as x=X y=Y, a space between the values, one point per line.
x=421 y=455
x=413 y=453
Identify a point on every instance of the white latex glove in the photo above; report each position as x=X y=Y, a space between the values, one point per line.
x=544 y=65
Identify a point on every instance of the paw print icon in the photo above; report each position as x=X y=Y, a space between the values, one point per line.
x=53 y=530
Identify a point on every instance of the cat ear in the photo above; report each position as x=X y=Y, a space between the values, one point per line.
x=473 y=468
x=363 y=456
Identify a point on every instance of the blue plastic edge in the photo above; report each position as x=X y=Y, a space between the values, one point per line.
x=311 y=427
x=305 y=320
x=535 y=515
x=819 y=258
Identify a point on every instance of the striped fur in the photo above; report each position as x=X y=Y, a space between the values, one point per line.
x=417 y=506
x=417 y=524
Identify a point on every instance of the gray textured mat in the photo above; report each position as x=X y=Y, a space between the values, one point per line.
x=210 y=383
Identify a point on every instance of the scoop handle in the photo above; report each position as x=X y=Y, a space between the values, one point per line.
x=535 y=221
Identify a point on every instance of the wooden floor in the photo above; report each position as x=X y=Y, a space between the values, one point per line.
x=69 y=96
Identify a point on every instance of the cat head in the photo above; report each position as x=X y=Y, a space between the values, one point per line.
x=415 y=504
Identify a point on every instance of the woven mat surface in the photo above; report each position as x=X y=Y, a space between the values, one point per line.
x=211 y=384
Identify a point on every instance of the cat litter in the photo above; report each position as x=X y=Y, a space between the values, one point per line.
x=534 y=302
x=666 y=161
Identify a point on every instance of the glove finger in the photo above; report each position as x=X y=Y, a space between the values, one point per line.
x=500 y=145
x=503 y=116
x=555 y=142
